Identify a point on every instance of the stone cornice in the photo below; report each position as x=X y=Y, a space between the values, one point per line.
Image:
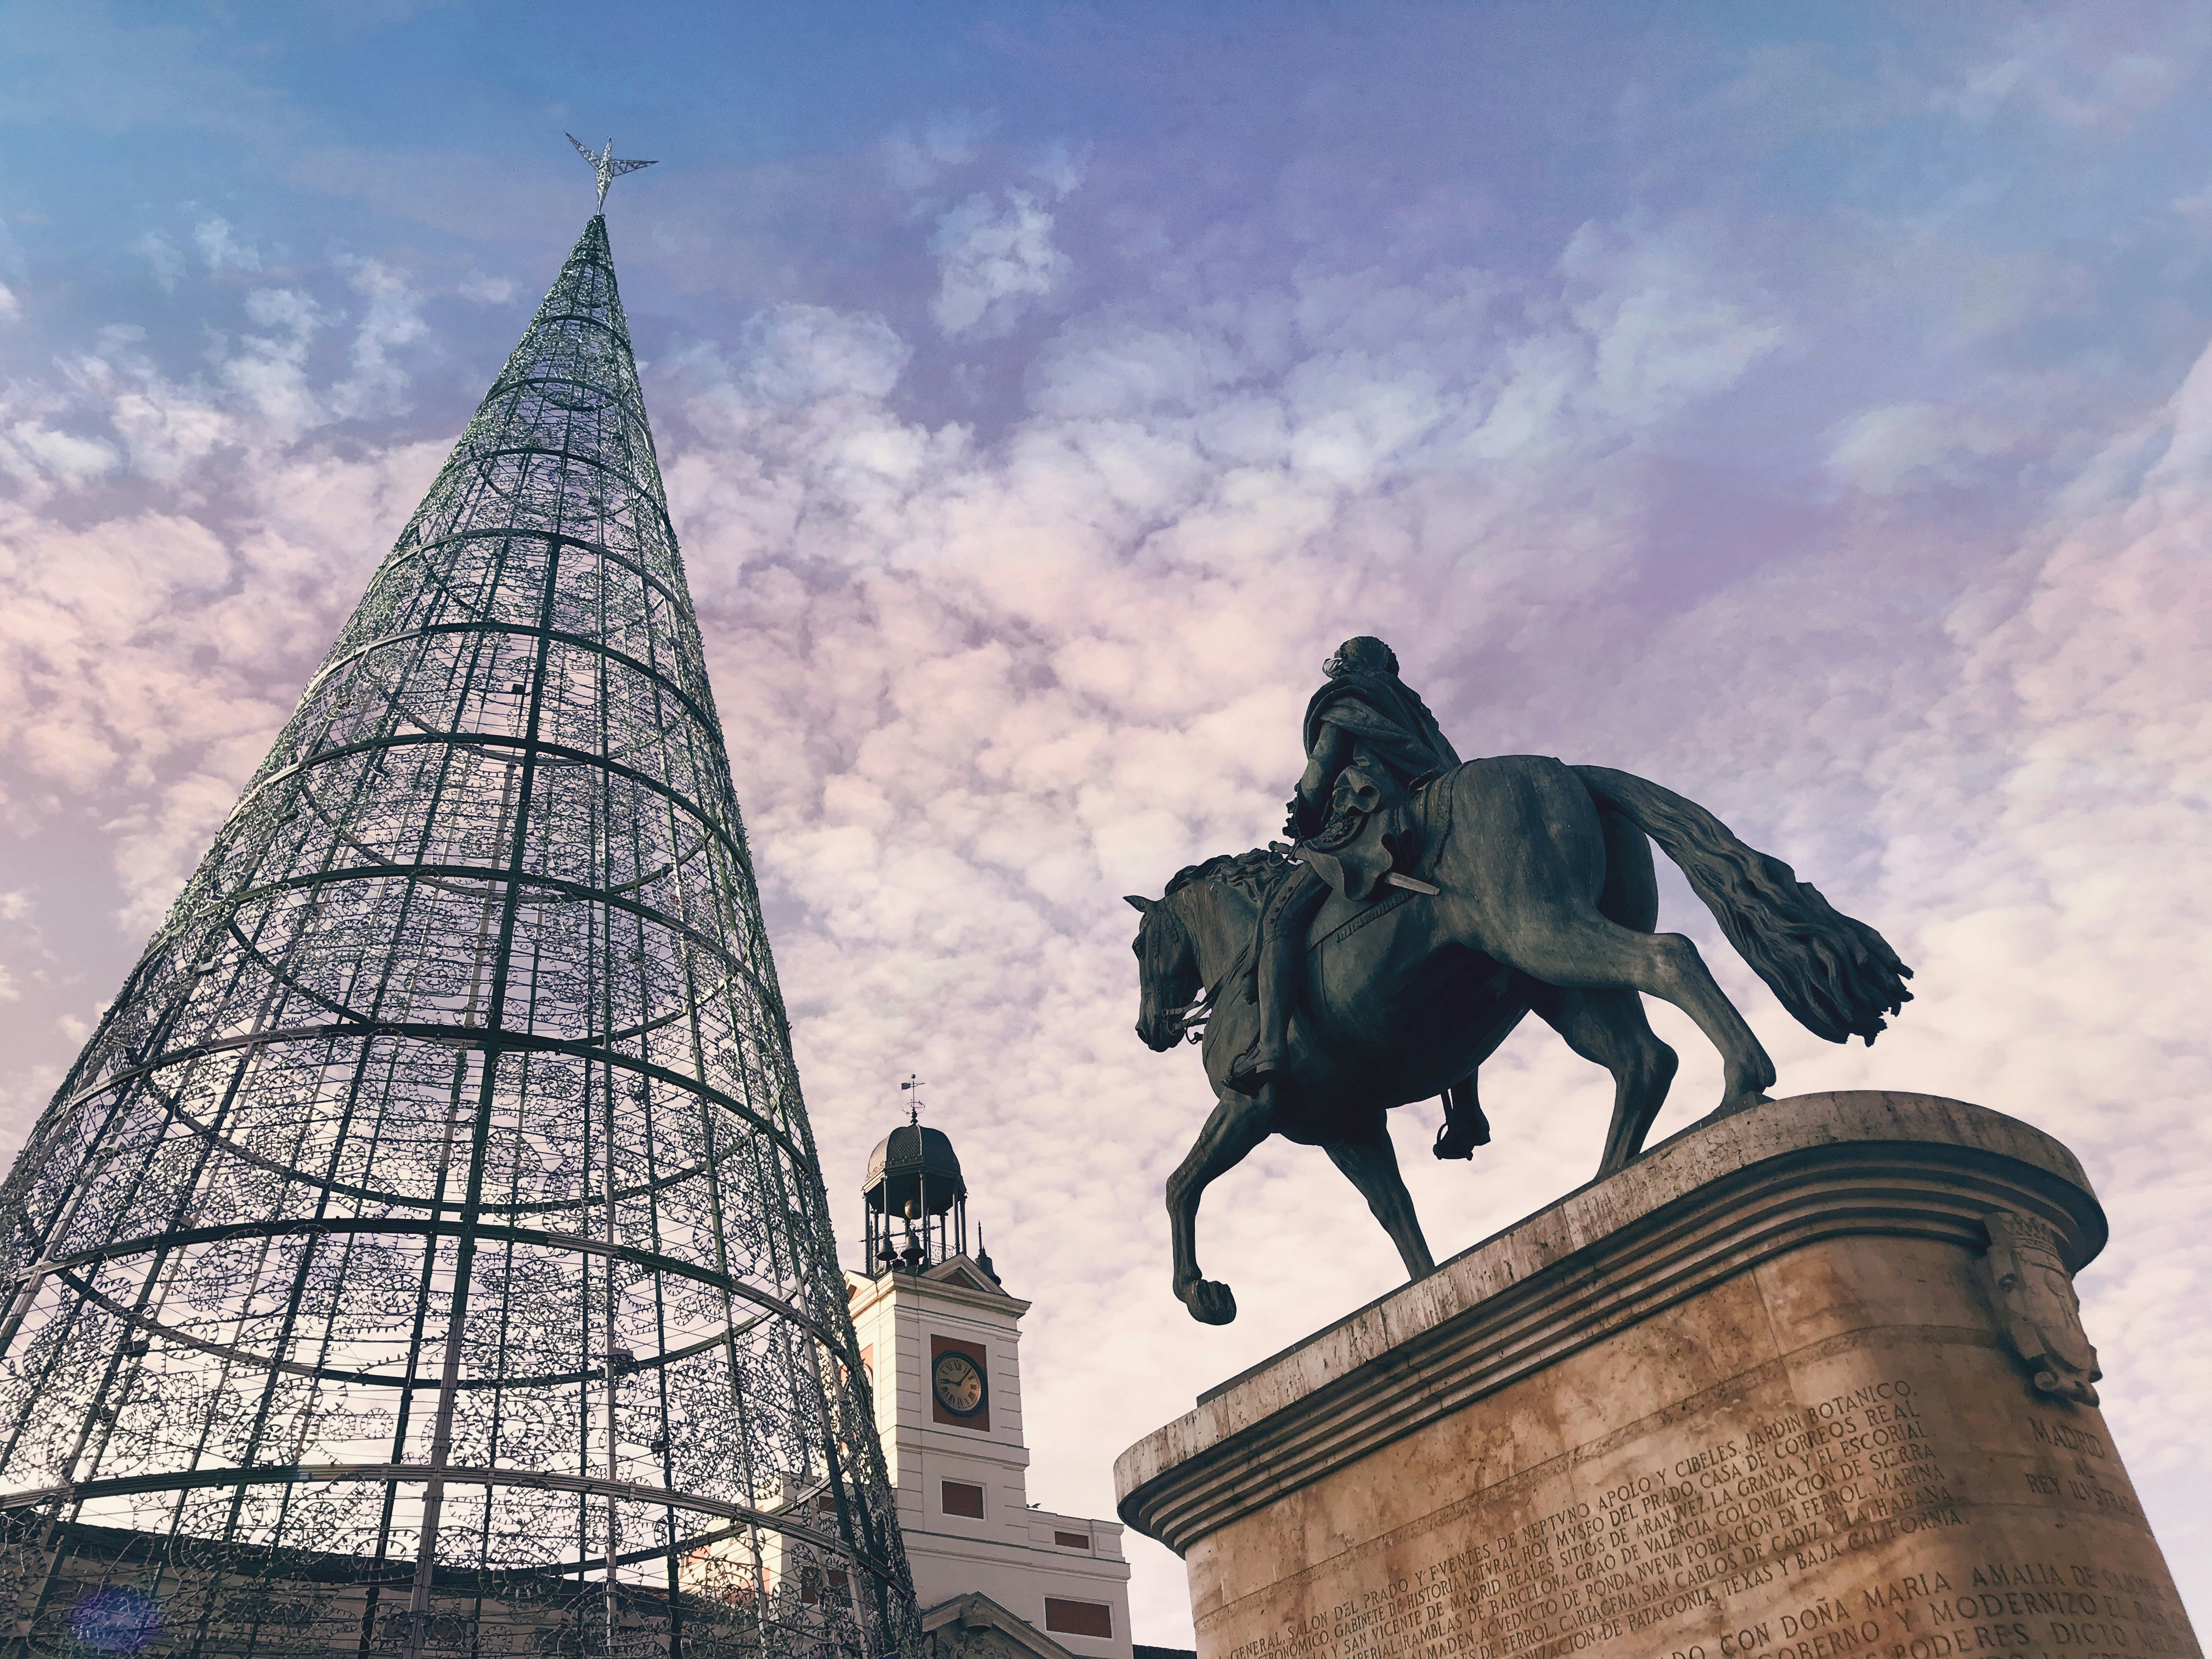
x=997 y=1304
x=1711 y=1202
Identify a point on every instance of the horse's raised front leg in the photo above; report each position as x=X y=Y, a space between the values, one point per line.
x=1609 y=1027
x=1371 y=1161
x=1237 y=1124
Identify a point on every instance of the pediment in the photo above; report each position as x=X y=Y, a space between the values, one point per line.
x=960 y=1271
x=975 y=1612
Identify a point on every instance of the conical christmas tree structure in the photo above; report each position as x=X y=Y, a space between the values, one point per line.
x=428 y=1253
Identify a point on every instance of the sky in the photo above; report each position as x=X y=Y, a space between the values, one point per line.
x=1809 y=408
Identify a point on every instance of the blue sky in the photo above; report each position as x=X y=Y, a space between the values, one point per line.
x=1807 y=407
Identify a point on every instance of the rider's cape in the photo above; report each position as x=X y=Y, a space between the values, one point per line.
x=1397 y=746
x=1389 y=721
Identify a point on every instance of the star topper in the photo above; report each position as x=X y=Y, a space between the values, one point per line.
x=605 y=165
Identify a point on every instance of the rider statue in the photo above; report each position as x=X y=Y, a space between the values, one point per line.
x=1424 y=909
x=1370 y=743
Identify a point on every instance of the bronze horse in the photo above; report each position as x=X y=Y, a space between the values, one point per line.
x=1546 y=900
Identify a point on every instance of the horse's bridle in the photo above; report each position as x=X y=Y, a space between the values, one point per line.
x=1190 y=1016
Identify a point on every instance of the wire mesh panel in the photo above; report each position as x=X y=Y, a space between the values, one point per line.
x=428 y=1255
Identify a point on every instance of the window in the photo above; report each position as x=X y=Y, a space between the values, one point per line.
x=1078 y=1618
x=1071 y=1540
x=961 y=1498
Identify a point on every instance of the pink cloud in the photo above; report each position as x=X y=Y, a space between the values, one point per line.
x=977 y=685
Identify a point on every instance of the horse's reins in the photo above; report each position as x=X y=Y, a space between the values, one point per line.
x=1191 y=1016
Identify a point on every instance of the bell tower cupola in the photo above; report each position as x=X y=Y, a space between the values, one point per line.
x=917 y=1202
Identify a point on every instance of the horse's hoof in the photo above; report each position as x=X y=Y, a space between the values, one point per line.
x=1210 y=1301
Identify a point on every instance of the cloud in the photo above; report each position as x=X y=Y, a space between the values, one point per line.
x=917 y=158
x=2085 y=68
x=992 y=259
x=2063 y=774
x=35 y=452
x=992 y=685
x=219 y=245
x=1104 y=367
x=798 y=353
x=1907 y=446
x=483 y=290
x=392 y=319
x=270 y=371
x=10 y=307
x=149 y=647
x=146 y=659
x=160 y=253
x=1061 y=169
x=166 y=427
x=1665 y=327
x=984 y=668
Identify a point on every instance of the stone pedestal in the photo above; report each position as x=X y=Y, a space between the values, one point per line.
x=1805 y=1382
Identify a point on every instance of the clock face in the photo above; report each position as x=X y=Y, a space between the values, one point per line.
x=957 y=1384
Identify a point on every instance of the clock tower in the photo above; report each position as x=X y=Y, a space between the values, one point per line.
x=995 y=1576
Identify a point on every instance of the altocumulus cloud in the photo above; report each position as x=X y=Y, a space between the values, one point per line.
x=993 y=258
x=982 y=690
x=979 y=685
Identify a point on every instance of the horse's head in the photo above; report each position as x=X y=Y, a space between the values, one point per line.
x=1167 y=974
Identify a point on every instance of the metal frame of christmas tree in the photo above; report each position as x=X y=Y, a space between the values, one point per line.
x=428 y=1253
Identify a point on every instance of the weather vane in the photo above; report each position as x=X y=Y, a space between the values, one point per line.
x=913 y=1086
x=605 y=165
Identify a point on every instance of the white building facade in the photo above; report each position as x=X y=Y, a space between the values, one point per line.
x=942 y=1344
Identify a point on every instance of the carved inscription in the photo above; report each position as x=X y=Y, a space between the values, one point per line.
x=1764 y=1524
x=2092 y=1461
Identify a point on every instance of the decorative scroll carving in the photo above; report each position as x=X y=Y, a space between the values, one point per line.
x=2034 y=1294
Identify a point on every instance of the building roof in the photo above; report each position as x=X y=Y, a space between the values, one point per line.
x=914 y=1172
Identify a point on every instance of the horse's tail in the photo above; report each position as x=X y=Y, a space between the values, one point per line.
x=1838 y=975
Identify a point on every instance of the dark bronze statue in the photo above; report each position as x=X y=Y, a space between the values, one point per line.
x=1425 y=906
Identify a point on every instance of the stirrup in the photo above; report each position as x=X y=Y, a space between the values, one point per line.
x=1447 y=1146
x=1251 y=1071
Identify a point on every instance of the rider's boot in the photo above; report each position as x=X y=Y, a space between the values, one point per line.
x=1464 y=1127
x=1281 y=943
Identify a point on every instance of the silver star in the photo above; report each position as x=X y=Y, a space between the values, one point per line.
x=605 y=165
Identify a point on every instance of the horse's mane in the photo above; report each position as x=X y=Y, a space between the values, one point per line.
x=1222 y=864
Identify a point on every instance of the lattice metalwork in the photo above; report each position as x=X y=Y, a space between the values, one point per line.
x=428 y=1254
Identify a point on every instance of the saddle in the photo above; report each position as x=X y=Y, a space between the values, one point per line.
x=1376 y=829
x=1396 y=837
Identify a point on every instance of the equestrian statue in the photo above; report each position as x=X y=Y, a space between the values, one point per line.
x=1423 y=906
